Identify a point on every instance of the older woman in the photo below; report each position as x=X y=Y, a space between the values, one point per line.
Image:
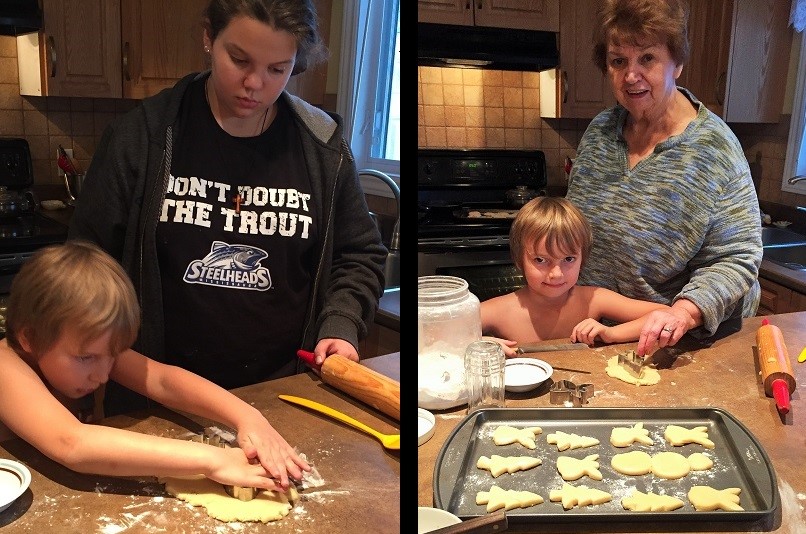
x=664 y=183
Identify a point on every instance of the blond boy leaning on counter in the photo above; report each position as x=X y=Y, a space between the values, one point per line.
x=549 y=241
x=72 y=316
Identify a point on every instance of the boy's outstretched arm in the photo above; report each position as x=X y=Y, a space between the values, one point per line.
x=629 y=313
x=182 y=390
x=30 y=410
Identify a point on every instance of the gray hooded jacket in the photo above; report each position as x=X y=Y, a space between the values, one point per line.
x=126 y=182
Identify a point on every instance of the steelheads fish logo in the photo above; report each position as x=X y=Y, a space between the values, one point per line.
x=228 y=265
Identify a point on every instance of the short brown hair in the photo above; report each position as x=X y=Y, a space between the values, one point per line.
x=74 y=287
x=637 y=22
x=555 y=218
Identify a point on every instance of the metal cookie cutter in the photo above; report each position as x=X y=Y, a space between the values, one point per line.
x=211 y=438
x=567 y=393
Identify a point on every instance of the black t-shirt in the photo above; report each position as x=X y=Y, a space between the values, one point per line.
x=235 y=286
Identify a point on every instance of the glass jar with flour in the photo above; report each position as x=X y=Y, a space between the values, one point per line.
x=448 y=320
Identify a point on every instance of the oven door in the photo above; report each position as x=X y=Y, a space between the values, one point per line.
x=488 y=268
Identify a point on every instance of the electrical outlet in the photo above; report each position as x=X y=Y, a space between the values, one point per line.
x=69 y=153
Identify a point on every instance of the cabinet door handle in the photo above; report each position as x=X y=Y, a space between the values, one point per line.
x=126 y=75
x=565 y=87
x=52 y=54
x=720 y=82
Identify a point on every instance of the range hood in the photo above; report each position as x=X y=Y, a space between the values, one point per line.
x=445 y=45
x=18 y=17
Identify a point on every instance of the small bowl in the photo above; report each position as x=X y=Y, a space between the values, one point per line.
x=429 y=519
x=14 y=480
x=426 y=424
x=782 y=224
x=525 y=374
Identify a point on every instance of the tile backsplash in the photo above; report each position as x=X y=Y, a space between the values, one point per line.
x=47 y=122
x=472 y=108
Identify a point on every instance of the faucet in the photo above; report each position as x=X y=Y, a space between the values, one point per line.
x=392 y=268
x=796 y=179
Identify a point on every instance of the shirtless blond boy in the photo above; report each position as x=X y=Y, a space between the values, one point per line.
x=549 y=242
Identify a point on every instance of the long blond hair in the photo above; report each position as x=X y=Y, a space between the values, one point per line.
x=562 y=224
x=75 y=287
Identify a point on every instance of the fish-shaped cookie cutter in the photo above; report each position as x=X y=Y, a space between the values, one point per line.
x=567 y=393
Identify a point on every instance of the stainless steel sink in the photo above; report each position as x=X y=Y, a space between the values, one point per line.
x=780 y=237
x=791 y=257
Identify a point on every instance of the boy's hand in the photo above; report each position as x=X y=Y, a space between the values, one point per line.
x=588 y=330
x=260 y=441
x=507 y=344
x=231 y=466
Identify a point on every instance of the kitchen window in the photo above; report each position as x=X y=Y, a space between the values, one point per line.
x=369 y=87
x=795 y=164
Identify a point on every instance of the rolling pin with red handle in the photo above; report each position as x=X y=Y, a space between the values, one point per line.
x=361 y=382
x=776 y=369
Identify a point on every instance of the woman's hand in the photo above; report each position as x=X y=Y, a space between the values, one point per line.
x=507 y=344
x=666 y=327
x=260 y=442
x=329 y=346
x=588 y=330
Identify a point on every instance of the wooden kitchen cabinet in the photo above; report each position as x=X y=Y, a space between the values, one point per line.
x=739 y=57
x=576 y=88
x=130 y=49
x=522 y=14
x=776 y=298
x=76 y=54
x=111 y=48
x=161 y=43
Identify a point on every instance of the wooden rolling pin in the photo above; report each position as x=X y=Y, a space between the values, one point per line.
x=366 y=385
x=776 y=369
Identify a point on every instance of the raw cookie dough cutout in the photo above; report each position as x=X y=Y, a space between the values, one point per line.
x=507 y=499
x=580 y=496
x=700 y=462
x=707 y=499
x=678 y=435
x=504 y=435
x=498 y=465
x=626 y=436
x=632 y=463
x=570 y=441
x=651 y=502
x=649 y=376
x=575 y=468
x=266 y=506
x=668 y=465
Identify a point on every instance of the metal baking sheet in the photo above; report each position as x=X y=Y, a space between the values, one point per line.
x=739 y=461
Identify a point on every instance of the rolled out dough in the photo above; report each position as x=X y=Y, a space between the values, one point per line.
x=649 y=376
x=266 y=506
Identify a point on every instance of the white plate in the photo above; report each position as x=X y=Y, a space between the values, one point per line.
x=425 y=421
x=14 y=480
x=429 y=519
x=524 y=374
